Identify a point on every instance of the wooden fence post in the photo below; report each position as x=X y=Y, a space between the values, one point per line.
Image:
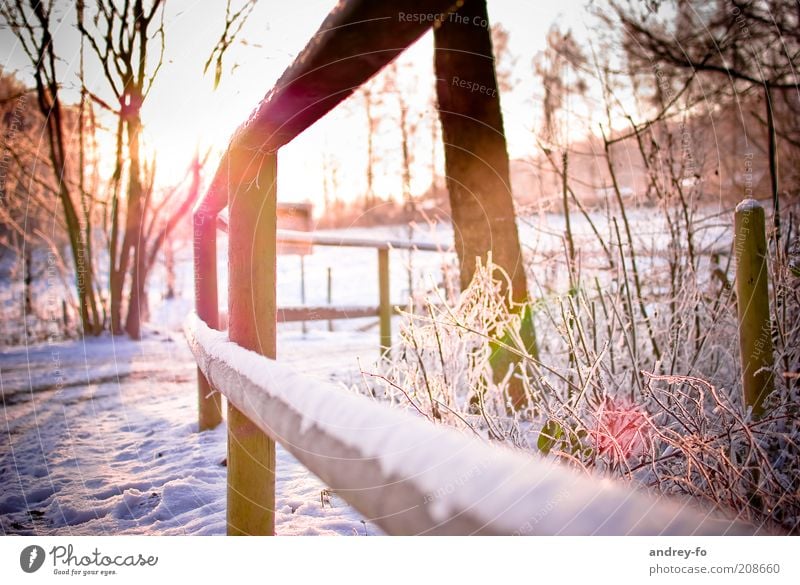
x=384 y=305
x=209 y=402
x=330 y=295
x=252 y=323
x=304 y=325
x=752 y=292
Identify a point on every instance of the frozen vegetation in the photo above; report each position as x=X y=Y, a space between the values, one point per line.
x=101 y=433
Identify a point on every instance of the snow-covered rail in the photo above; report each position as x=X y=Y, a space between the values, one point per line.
x=410 y=476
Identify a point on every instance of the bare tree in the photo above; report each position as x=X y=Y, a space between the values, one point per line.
x=330 y=188
x=408 y=122
x=552 y=66
x=504 y=60
x=476 y=158
x=477 y=171
x=121 y=37
x=371 y=98
x=330 y=185
x=33 y=26
x=744 y=45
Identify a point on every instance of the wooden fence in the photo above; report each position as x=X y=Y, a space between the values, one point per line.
x=405 y=474
x=410 y=476
x=383 y=310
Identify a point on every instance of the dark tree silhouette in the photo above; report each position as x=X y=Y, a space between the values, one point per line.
x=476 y=158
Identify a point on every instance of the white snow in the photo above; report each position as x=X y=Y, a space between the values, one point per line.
x=748 y=205
x=99 y=435
x=100 y=438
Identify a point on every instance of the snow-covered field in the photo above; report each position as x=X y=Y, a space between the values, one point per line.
x=100 y=438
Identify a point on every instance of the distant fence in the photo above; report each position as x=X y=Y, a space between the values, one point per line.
x=383 y=310
x=409 y=476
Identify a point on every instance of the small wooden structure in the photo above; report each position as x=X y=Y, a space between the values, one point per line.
x=296 y=217
x=752 y=300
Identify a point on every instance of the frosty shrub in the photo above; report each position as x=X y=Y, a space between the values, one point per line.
x=655 y=400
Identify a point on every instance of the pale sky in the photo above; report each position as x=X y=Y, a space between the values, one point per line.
x=183 y=112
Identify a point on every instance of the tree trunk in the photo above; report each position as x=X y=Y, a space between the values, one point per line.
x=477 y=168
x=137 y=299
x=405 y=151
x=369 y=200
x=50 y=107
x=28 y=281
x=116 y=277
x=169 y=265
x=772 y=151
x=116 y=284
x=476 y=160
x=134 y=232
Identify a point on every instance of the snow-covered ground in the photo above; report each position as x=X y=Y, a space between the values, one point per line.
x=99 y=437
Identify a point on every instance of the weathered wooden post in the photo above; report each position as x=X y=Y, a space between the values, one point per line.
x=304 y=325
x=752 y=291
x=330 y=295
x=384 y=305
x=252 y=323
x=209 y=402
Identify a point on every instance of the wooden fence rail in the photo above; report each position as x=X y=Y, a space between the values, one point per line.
x=317 y=239
x=409 y=476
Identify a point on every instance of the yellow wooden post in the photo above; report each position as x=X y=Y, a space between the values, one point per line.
x=304 y=325
x=205 y=276
x=384 y=306
x=330 y=295
x=752 y=291
x=252 y=323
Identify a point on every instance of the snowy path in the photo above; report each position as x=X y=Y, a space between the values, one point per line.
x=99 y=438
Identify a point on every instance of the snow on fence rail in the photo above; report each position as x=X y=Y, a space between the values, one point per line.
x=410 y=476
